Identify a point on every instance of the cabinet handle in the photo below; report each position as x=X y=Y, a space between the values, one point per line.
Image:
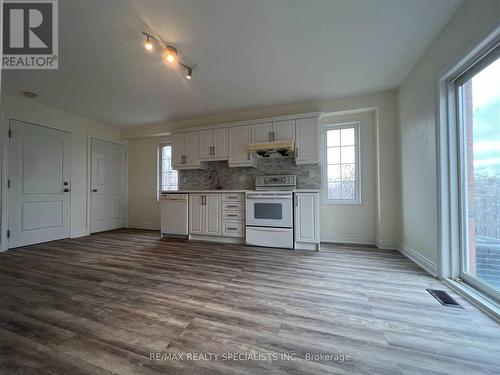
x=274 y=136
x=232 y=196
x=296 y=152
x=231 y=228
x=270 y=137
x=231 y=215
x=213 y=150
x=204 y=200
x=232 y=206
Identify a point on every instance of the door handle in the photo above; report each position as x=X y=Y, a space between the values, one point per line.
x=66 y=190
x=94 y=190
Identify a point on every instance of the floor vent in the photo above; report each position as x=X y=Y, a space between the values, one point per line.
x=444 y=298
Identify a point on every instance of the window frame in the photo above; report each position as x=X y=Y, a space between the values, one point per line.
x=160 y=170
x=324 y=161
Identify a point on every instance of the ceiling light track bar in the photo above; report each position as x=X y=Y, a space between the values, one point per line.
x=172 y=52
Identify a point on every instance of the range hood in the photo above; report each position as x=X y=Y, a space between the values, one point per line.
x=272 y=149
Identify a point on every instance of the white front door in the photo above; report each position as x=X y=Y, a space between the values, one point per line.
x=107 y=209
x=39 y=179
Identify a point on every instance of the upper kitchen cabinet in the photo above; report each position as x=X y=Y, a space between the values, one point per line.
x=284 y=130
x=185 y=151
x=273 y=131
x=239 y=138
x=262 y=132
x=306 y=141
x=214 y=144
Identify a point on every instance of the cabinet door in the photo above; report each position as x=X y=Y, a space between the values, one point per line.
x=239 y=138
x=262 y=132
x=220 y=142
x=306 y=141
x=307 y=217
x=206 y=142
x=177 y=150
x=191 y=149
x=213 y=214
x=284 y=130
x=196 y=214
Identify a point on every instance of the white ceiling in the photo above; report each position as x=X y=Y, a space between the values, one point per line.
x=250 y=54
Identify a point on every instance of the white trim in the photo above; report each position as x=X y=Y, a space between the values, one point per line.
x=357 y=163
x=249 y=122
x=387 y=244
x=79 y=233
x=485 y=304
x=419 y=259
x=348 y=238
x=220 y=239
x=148 y=226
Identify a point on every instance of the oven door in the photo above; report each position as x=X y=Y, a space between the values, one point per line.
x=269 y=209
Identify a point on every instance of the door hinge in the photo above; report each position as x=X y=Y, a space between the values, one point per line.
x=8 y=233
x=10 y=133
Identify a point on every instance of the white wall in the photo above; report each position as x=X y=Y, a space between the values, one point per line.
x=80 y=128
x=417 y=123
x=143 y=210
x=356 y=223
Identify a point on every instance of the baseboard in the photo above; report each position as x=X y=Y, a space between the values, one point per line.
x=387 y=244
x=150 y=226
x=345 y=238
x=418 y=259
x=80 y=233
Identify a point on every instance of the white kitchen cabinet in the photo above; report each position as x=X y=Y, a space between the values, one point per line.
x=273 y=131
x=239 y=138
x=185 y=151
x=213 y=214
x=284 y=130
x=196 y=213
x=205 y=214
x=262 y=132
x=306 y=141
x=213 y=144
x=307 y=221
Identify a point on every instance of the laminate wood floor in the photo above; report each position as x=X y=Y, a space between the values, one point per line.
x=104 y=304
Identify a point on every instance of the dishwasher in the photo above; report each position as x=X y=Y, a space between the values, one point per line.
x=174 y=215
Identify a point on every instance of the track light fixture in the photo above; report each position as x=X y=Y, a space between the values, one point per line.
x=148 y=44
x=170 y=55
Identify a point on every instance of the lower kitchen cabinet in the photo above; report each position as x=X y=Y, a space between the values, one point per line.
x=217 y=217
x=205 y=214
x=307 y=221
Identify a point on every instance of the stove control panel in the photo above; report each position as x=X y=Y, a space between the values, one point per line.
x=275 y=180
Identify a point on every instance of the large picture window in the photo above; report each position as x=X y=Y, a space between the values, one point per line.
x=341 y=166
x=478 y=99
x=168 y=179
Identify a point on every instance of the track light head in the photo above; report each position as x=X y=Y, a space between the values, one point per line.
x=148 y=44
x=189 y=74
x=171 y=54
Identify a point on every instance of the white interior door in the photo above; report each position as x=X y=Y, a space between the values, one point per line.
x=107 y=207
x=39 y=179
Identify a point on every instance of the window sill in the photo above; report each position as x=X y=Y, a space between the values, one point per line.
x=474 y=296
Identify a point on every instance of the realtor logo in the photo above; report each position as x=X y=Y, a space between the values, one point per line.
x=30 y=34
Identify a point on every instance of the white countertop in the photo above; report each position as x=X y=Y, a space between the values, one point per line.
x=234 y=191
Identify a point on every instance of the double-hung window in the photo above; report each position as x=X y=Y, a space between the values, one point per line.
x=168 y=177
x=341 y=164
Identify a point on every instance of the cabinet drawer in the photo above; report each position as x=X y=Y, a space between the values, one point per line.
x=233 y=197
x=233 y=215
x=233 y=228
x=231 y=206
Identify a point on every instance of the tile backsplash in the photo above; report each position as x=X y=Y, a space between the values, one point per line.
x=308 y=176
